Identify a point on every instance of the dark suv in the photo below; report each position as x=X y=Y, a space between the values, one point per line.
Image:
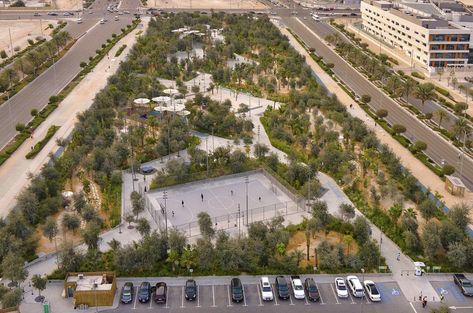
x=237 y=290
x=282 y=288
x=127 y=293
x=161 y=292
x=191 y=290
x=311 y=290
x=144 y=292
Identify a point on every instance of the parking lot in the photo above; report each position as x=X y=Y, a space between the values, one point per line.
x=218 y=299
x=452 y=294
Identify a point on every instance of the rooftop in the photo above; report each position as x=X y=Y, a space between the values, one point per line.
x=86 y=282
x=457 y=182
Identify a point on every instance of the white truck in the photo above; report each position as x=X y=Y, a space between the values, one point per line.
x=297 y=287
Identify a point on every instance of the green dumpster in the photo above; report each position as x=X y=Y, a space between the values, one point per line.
x=46 y=308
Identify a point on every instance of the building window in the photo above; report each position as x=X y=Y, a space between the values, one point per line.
x=437 y=37
x=465 y=37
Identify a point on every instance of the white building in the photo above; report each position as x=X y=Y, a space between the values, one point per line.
x=420 y=31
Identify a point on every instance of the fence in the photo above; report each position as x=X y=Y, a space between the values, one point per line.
x=239 y=219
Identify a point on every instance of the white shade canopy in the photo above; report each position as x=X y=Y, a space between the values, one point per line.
x=171 y=108
x=141 y=101
x=183 y=113
x=161 y=99
x=179 y=101
x=171 y=91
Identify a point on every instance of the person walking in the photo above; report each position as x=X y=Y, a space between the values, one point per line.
x=231 y=192
x=424 y=302
x=172 y=213
x=182 y=202
x=202 y=197
x=398 y=256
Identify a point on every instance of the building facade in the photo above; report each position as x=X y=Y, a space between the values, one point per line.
x=419 y=32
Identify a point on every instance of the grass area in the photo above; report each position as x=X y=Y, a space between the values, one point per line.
x=40 y=145
x=120 y=50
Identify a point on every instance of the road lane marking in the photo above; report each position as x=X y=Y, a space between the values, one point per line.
x=213 y=296
x=182 y=300
x=244 y=296
x=320 y=294
x=333 y=290
x=198 y=296
x=229 y=300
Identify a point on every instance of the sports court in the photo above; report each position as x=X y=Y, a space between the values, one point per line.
x=224 y=199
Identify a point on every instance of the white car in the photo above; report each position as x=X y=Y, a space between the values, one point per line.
x=102 y=21
x=79 y=20
x=266 y=289
x=341 y=287
x=297 y=287
x=372 y=291
x=355 y=286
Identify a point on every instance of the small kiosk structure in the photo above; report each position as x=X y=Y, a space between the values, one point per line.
x=91 y=288
x=454 y=185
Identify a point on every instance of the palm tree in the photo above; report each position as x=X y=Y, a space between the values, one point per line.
x=409 y=85
x=441 y=115
x=424 y=92
x=461 y=127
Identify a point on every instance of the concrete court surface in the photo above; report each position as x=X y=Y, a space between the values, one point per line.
x=218 y=199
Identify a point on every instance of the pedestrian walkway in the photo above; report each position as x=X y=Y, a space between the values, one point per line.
x=410 y=285
x=15 y=171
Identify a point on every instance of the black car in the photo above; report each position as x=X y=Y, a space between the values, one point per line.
x=311 y=290
x=144 y=292
x=127 y=293
x=282 y=288
x=161 y=292
x=236 y=289
x=191 y=290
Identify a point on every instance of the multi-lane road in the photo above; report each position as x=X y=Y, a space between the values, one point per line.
x=438 y=149
x=91 y=35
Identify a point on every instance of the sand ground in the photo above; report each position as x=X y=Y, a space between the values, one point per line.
x=66 y=4
x=21 y=31
x=206 y=4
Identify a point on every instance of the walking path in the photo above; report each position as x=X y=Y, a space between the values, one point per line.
x=417 y=168
x=14 y=172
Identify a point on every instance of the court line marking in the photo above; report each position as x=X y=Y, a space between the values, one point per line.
x=333 y=290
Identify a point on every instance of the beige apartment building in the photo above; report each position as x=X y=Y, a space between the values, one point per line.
x=418 y=30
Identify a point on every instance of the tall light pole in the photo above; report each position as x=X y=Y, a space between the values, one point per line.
x=362 y=281
x=246 y=183
x=207 y=150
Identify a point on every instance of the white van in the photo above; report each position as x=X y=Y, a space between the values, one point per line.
x=355 y=286
x=315 y=17
x=266 y=289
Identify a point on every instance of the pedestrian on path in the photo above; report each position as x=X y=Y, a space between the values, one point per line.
x=398 y=256
x=259 y=198
x=442 y=297
x=231 y=192
x=202 y=197
x=424 y=302
x=182 y=202
x=145 y=189
x=172 y=213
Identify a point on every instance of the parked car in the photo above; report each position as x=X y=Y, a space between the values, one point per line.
x=311 y=290
x=236 y=288
x=282 y=288
x=102 y=21
x=464 y=284
x=52 y=13
x=116 y=18
x=144 y=292
x=79 y=20
x=372 y=291
x=341 y=287
x=266 y=289
x=191 y=290
x=355 y=286
x=297 y=287
x=127 y=293
x=36 y=14
x=160 y=293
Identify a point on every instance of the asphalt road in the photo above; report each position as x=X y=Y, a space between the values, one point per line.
x=36 y=94
x=438 y=149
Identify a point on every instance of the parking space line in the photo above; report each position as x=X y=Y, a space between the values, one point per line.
x=306 y=301
x=320 y=294
x=260 y=295
x=213 y=296
x=275 y=296
x=228 y=293
x=136 y=298
x=182 y=300
x=244 y=296
x=151 y=302
x=290 y=299
x=198 y=296
x=335 y=295
x=351 y=298
x=167 y=298
x=367 y=299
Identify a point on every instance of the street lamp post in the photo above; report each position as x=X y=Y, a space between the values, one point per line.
x=362 y=281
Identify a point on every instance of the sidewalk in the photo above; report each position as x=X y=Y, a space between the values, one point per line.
x=14 y=172
x=410 y=285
